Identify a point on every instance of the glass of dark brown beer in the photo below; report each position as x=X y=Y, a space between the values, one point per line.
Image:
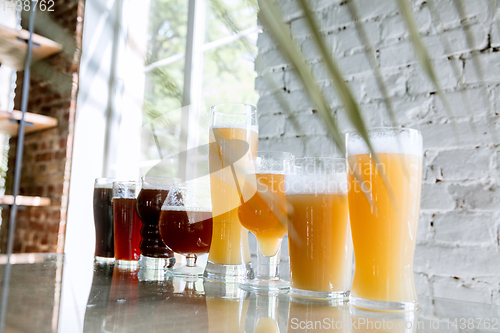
x=103 y=220
x=126 y=223
x=186 y=225
x=154 y=253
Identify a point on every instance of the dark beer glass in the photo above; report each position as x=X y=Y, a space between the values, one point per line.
x=154 y=253
x=103 y=220
x=186 y=225
x=126 y=222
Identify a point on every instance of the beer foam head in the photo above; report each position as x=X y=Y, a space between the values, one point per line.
x=397 y=141
x=104 y=183
x=254 y=128
x=298 y=183
x=107 y=186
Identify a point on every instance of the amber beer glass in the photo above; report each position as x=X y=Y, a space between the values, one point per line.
x=232 y=148
x=265 y=214
x=186 y=225
x=384 y=204
x=154 y=253
x=126 y=223
x=319 y=236
x=103 y=220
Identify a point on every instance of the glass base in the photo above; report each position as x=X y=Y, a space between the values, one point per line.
x=228 y=273
x=277 y=285
x=146 y=262
x=151 y=274
x=326 y=296
x=383 y=306
x=127 y=263
x=104 y=260
x=187 y=272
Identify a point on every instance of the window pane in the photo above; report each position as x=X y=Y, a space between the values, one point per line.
x=229 y=75
x=225 y=16
x=164 y=84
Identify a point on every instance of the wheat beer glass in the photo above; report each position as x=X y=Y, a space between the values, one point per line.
x=319 y=236
x=265 y=214
x=103 y=220
x=232 y=148
x=126 y=223
x=384 y=204
x=186 y=225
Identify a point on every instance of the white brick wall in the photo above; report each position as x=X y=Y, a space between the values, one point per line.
x=458 y=250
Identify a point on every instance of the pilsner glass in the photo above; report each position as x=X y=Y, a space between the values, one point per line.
x=103 y=220
x=154 y=253
x=186 y=225
x=384 y=202
x=232 y=147
x=266 y=216
x=319 y=235
x=126 y=223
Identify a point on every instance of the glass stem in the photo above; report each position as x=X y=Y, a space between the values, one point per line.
x=268 y=268
x=191 y=260
x=266 y=307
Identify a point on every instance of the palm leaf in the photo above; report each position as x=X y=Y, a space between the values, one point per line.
x=423 y=56
x=477 y=64
x=438 y=24
x=370 y=52
x=271 y=18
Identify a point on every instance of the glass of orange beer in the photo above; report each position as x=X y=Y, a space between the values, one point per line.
x=319 y=236
x=232 y=148
x=384 y=204
x=265 y=214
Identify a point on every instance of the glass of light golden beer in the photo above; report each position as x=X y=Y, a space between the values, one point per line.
x=384 y=204
x=265 y=214
x=319 y=236
x=232 y=148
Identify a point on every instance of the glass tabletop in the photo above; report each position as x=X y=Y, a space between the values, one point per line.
x=51 y=293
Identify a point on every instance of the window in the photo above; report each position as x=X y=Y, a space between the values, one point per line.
x=200 y=53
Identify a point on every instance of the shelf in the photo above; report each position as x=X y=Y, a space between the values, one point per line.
x=13 y=47
x=24 y=200
x=40 y=122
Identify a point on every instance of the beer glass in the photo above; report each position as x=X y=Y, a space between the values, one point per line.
x=232 y=147
x=265 y=214
x=126 y=223
x=186 y=225
x=154 y=253
x=103 y=220
x=384 y=202
x=319 y=236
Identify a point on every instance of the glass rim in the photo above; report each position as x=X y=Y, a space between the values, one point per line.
x=253 y=109
x=126 y=182
x=381 y=129
x=107 y=179
x=275 y=152
x=320 y=158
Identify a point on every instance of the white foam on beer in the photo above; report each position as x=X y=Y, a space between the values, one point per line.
x=334 y=183
x=187 y=209
x=408 y=143
x=254 y=128
x=108 y=186
x=147 y=186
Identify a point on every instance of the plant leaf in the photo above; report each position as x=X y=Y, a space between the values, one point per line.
x=423 y=56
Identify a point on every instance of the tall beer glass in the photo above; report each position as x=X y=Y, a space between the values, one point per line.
x=384 y=203
x=103 y=220
x=154 y=253
x=232 y=147
x=126 y=223
x=265 y=214
x=319 y=236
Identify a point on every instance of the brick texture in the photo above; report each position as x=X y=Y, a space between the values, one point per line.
x=47 y=154
x=458 y=245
